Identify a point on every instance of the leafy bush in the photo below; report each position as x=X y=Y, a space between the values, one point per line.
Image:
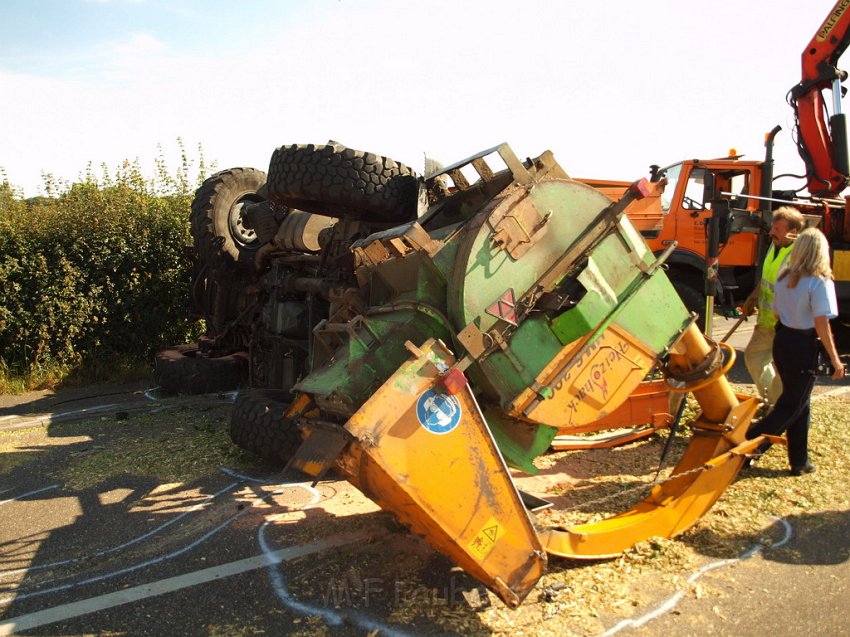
x=94 y=276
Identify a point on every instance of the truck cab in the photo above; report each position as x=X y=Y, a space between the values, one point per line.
x=692 y=187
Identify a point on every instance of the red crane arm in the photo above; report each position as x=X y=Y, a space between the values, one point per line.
x=822 y=145
x=820 y=57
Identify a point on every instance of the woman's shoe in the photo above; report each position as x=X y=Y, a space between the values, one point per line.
x=806 y=468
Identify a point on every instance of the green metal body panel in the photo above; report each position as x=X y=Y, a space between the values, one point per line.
x=505 y=373
x=483 y=271
x=436 y=293
x=356 y=371
x=615 y=287
x=655 y=313
x=413 y=278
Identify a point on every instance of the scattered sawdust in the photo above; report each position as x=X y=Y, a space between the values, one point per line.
x=175 y=446
x=185 y=447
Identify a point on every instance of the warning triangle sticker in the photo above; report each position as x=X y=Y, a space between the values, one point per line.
x=492 y=532
x=505 y=308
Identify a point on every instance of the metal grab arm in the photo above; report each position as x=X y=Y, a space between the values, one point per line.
x=710 y=463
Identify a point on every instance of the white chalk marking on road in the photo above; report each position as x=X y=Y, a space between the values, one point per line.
x=789 y=533
x=29 y=493
x=236 y=474
x=47 y=419
x=83 y=410
x=151 y=562
x=101 y=553
x=332 y=617
x=279 y=585
x=671 y=602
x=171 y=584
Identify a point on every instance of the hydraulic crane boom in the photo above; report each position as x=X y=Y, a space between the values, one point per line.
x=823 y=147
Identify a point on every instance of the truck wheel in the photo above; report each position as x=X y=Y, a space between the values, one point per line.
x=184 y=369
x=693 y=299
x=339 y=181
x=217 y=224
x=257 y=425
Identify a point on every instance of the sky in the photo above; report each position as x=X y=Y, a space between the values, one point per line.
x=609 y=87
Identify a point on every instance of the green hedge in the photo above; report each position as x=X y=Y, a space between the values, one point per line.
x=94 y=276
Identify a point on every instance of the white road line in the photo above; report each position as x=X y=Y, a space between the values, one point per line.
x=171 y=584
x=671 y=602
x=4 y=574
x=29 y=493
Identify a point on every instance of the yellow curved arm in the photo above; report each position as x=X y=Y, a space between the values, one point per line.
x=710 y=463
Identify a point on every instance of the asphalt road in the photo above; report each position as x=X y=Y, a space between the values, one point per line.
x=243 y=555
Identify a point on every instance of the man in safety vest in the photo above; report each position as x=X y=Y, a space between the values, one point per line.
x=758 y=356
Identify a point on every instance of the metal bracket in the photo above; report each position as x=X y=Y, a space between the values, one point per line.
x=474 y=340
x=520 y=173
x=320 y=450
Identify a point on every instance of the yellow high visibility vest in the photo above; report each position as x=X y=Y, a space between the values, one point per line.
x=773 y=261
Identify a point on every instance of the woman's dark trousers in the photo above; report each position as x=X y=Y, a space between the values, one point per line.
x=795 y=356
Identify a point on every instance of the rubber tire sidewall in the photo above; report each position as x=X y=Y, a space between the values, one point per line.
x=210 y=218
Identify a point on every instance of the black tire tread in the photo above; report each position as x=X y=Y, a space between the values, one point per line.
x=688 y=290
x=183 y=369
x=257 y=425
x=340 y=181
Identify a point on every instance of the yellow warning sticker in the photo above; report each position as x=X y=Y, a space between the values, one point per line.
x=486 y=539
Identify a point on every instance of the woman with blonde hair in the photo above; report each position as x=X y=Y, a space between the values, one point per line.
x=804 y=301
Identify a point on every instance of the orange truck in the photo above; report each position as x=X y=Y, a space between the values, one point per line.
x=738 y=196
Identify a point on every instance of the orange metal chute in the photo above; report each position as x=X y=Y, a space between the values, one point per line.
x=430 y=458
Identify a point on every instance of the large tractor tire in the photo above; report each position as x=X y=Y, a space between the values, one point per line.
x=342 y=182
x=184 y=369
x=217 y=222
x=257 y=425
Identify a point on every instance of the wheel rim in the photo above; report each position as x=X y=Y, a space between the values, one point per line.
x=242 y=236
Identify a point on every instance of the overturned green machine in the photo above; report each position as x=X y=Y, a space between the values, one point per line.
x=428 y=334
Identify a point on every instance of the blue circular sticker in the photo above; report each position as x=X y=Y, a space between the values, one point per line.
x=438 y=413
